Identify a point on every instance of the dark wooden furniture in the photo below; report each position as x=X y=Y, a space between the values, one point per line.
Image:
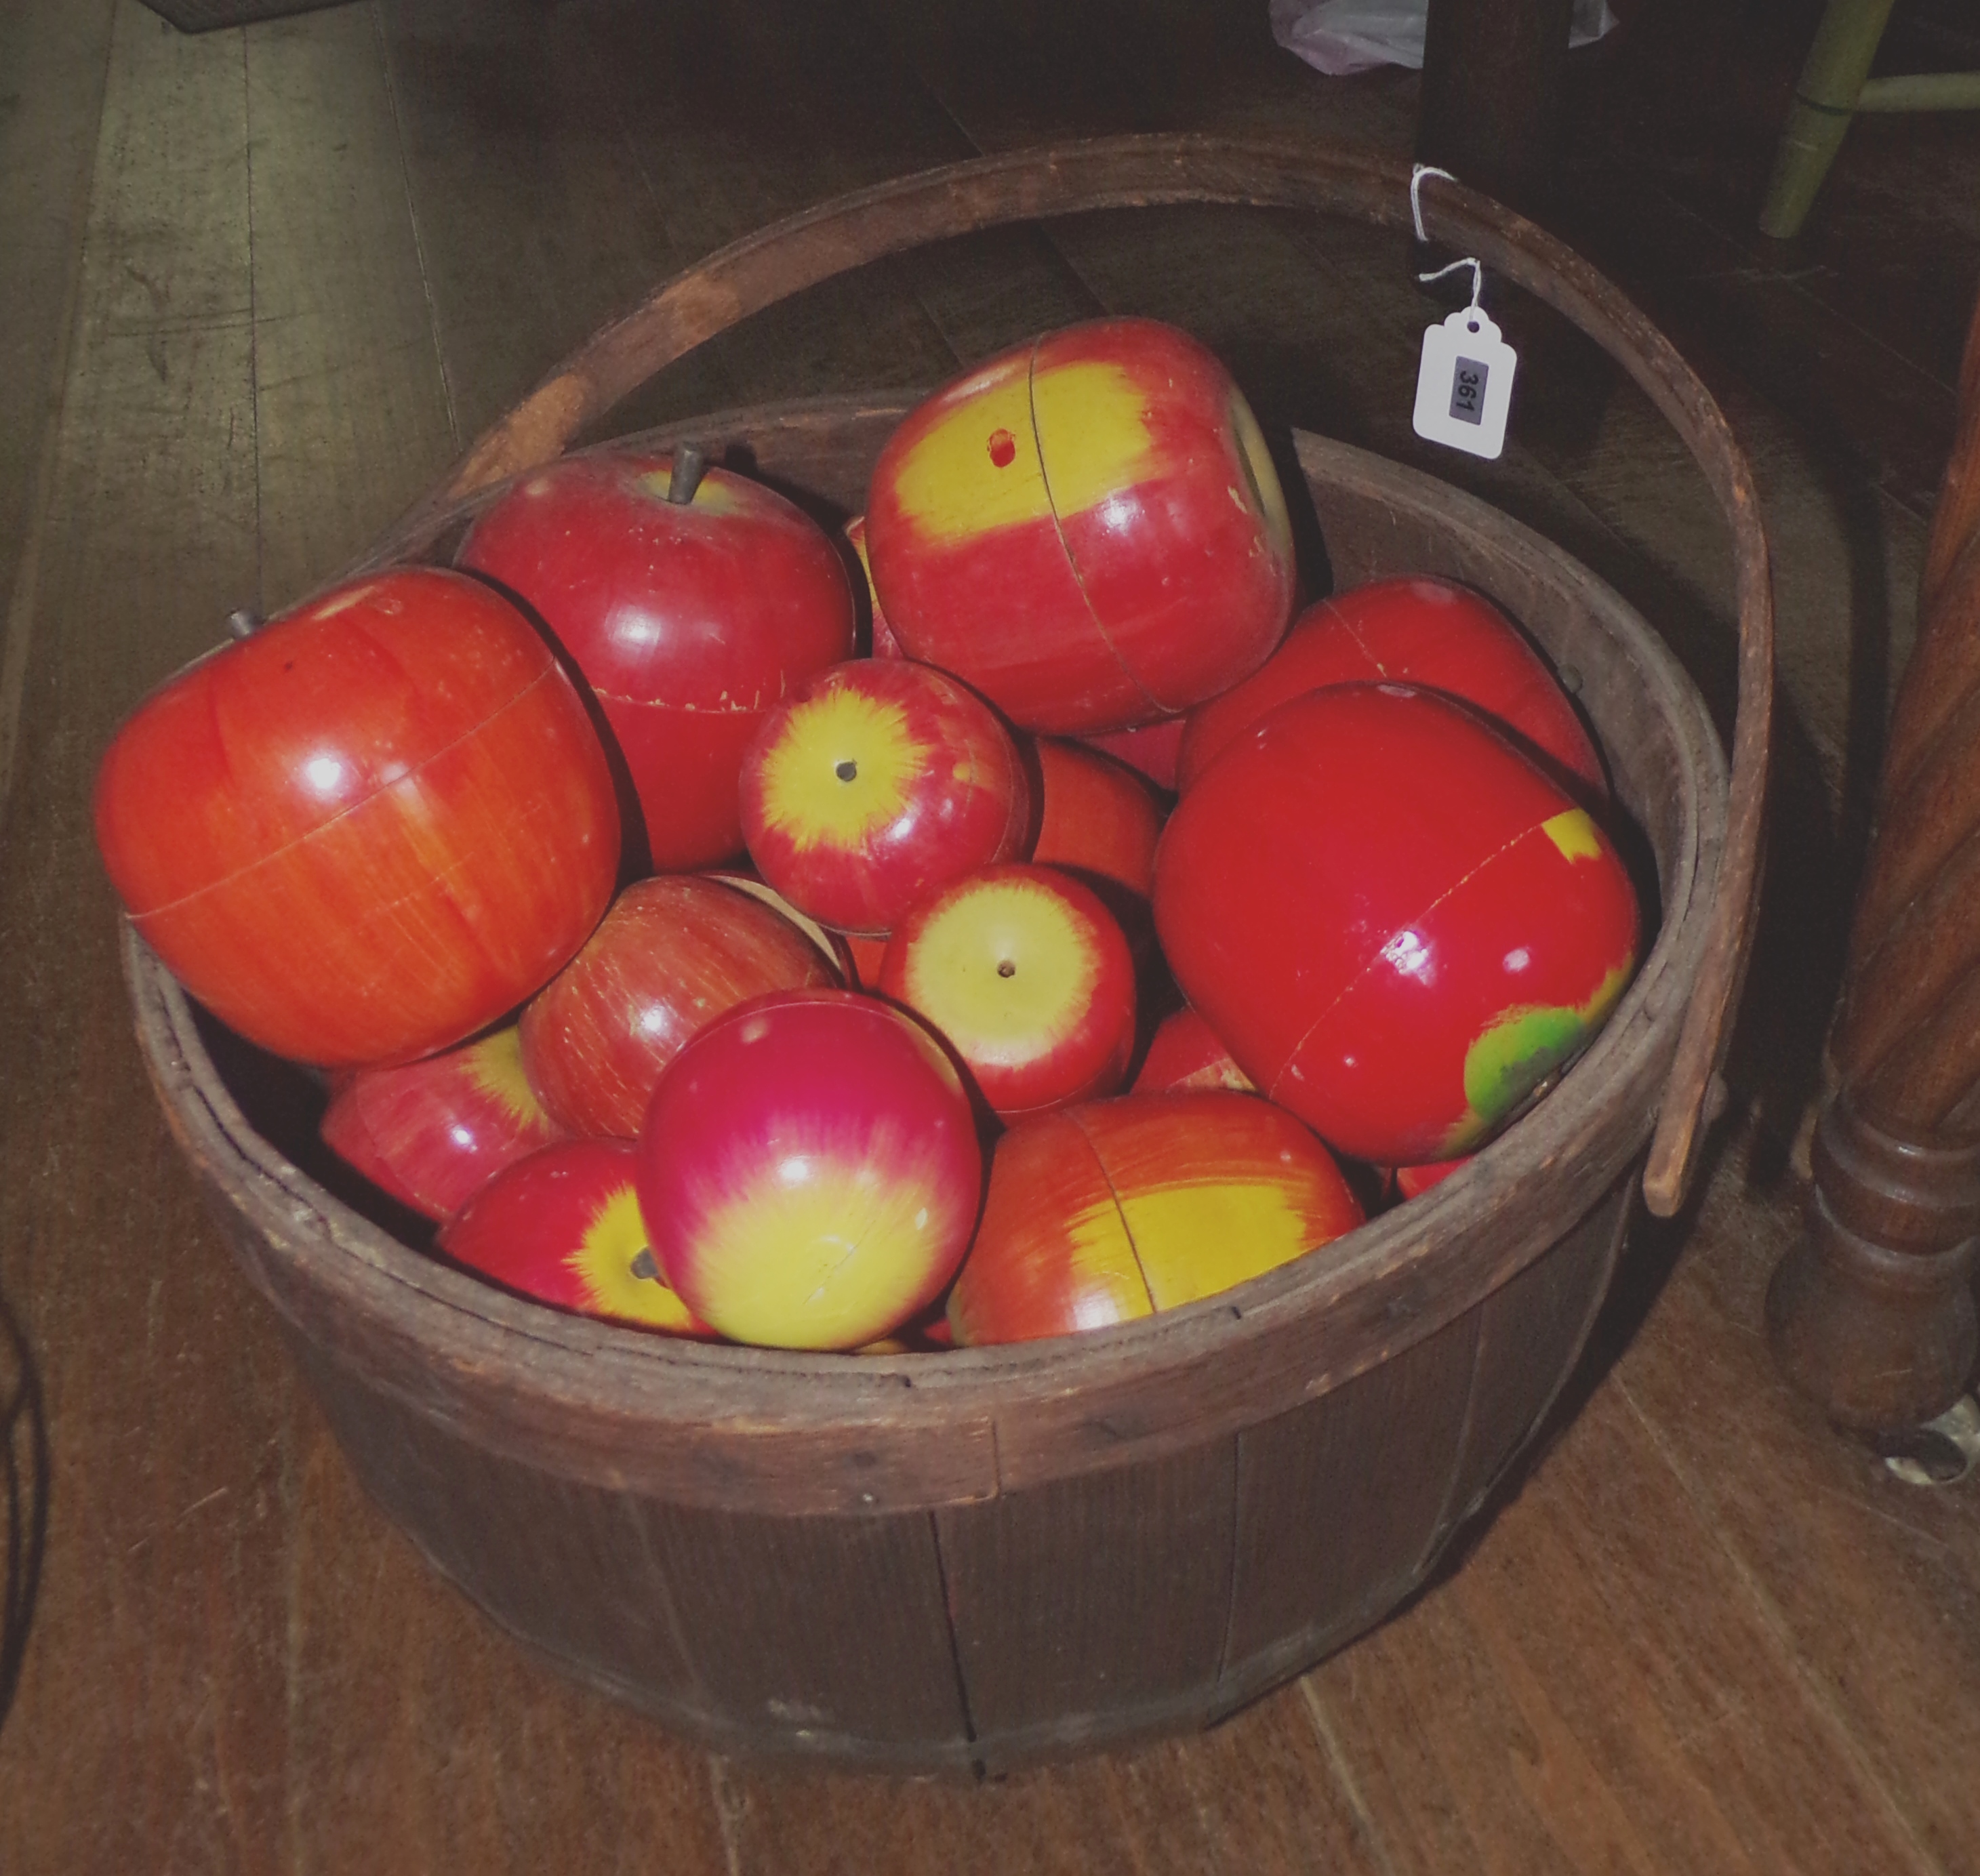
x=970 y=1560
x=1872 y=1316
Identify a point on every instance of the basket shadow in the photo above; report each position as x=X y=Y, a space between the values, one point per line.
x=1648 y=1259
x=24 y=1457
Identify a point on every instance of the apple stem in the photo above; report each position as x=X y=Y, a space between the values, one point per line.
x=689 y=464
x=244 y=622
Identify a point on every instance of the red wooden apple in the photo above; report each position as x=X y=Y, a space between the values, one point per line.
x=1087 y=529
x=878 y=781
x=835 y=947
x=1099 y=819
x=1399 y=927
x=689 y=619
x=1185 y=1053
x=370 y=829
x=673 y=954
x=1027 y=976
x=884 y=645
x=810 y=1169
x=433 y=1132
x=869 y=955
x=1418 y=630
x=1412 y=1179
x=1152 y=748
x=1109 y=1211
x=563 y=1226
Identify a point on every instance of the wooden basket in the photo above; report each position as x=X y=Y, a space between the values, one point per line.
x=971 y=1559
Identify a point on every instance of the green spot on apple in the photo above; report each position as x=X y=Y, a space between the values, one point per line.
x=1514 y=1055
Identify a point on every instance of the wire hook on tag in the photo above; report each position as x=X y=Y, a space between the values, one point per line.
x=1417 y=173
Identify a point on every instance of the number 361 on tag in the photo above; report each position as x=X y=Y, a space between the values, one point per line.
x=1464 y=386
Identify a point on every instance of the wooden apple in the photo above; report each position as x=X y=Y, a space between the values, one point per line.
x=878 y=781
x=1185 y=1053
x=432 y=1132
x=1087 y=529
x=563 y=1226
x=884 y=645
x=1099 y=819
x=1109 y=1211
x=690 y=618
x=1152 y=747
x=1399 y=926
x=834 y=947
x=1416 y=630
x=868 y=955
x=1412 y=1179
x=810 y=1170
x=369 y=830
x=674 y=953
x=1027 y=976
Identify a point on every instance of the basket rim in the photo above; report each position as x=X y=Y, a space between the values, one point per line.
x=319 y=1253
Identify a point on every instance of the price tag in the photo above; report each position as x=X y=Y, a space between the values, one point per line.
x=1464 y=387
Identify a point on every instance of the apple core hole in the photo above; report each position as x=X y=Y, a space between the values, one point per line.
x=644 y=1265
x=1007 y=968
x=846 y=770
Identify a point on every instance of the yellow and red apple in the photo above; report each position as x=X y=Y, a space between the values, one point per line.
x=674 y=953
x=1111 y=1211
x=1027 y=976
x=370 y=829
x=563 y=1226
x=690 y=612
x=879 y=780
x=810 y=1170
x=1087 y=529
x=432 y=1132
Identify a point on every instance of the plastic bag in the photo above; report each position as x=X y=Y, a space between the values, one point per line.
x=1343 y=36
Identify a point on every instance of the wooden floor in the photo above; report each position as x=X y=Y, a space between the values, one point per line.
x=258 y=287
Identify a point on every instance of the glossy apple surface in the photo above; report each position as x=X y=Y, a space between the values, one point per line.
x=1399 y=926
x=674 y=953
x=1027 y=976
x=690 y=620
x=810 y=1169
x=1418 y=630
x=1186 y=1053
x=431 y=1133
x=878 y=781
x=563 y=1226
x=1087 y=529
x=1113 y=1209
x=369 y=830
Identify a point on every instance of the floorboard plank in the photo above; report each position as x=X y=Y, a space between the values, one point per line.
x=153 y=1671
x=1596 y=1688
x=352 y=421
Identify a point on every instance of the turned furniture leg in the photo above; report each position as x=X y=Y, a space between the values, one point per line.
x=1825 y=100
x=1872 y=1315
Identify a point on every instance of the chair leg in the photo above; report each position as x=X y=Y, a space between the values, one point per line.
x=1837 y=63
